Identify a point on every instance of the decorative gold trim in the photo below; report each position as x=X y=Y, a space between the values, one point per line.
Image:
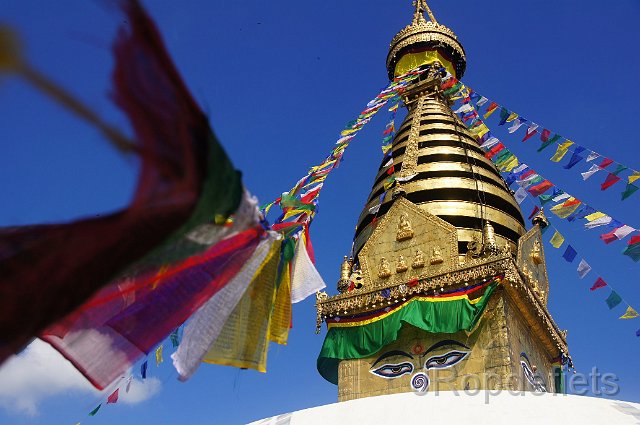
x=421 y=34
x=470 y=209
x=530 y=304
x=410 y=156
x=388 y=220
x=535 y=274
x=446 y=166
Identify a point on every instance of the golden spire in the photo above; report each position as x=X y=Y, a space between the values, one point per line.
x=421 y=7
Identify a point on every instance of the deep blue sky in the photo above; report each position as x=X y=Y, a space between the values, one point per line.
x=279 y=80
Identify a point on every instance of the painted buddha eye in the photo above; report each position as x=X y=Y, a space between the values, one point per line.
x=391 y=371
x=446 y=360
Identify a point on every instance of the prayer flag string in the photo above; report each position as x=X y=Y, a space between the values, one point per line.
x=299 y=205
x=563 y=204
x=564 y=146
x=570 y=254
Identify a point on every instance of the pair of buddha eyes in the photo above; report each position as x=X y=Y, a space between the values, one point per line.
x=443 y=361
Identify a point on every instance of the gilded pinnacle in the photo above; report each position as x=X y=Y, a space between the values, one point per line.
x=421 y=7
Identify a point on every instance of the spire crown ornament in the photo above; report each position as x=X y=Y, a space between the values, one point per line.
x=423 y=42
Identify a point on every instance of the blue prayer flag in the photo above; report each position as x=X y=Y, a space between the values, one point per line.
x=569 y=254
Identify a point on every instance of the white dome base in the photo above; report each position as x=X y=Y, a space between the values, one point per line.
x=448 y=407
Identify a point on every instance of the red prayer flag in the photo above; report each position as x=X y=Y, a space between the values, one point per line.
x=540 y=188
x=113 y=398
x=529 y=134
x=125 y=320
x=534 y=212
x=527 y=173
x=49 y=270
x=634 y=240
x=449 y=83
x=544 y=136
x=609 y=237
x=609 y=181
x=605 y=163
x=309 y=246
x=599 y=284
x=494 y=150
x=571 y=202
x=492 y=107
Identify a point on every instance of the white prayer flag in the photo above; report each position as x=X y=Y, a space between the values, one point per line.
x=515 y=125
x=592 y=156
x=623 y=231
x=490 y=142
x=594 y=169
x=305 y=279
x=583 y=268
x=520 y=195
x=598 y=222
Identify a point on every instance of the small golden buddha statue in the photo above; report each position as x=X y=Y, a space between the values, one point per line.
x=383 y=269
x=418 y=260
x=404 y=228
x=536 y=253
x=401 y=265
x=436 y=256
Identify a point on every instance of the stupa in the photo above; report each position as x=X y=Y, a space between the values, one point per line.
x=444 y=288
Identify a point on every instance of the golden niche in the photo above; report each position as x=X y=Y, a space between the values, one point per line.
x=405 y=231
x=383 y=269
x=418 y=260
x=401 y=265
x=536 y=253
x=436 y=256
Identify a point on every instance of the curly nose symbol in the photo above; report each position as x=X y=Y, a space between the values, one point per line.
x=420 y=383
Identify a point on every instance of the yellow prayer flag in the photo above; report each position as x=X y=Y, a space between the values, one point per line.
x=564 y=211
x=594 y=216
x=281 y=315
x=634 y=176
x=244 y=338
x=488 y=114
x=512 y=117
x=159 y=355
x=483 y=130
x=348 y=131
x=562 y=150
x=293 y=212
x=510 y=164
x=557 y=240
x=629 y=314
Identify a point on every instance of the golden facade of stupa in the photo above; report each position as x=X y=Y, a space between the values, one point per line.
x=445 y=290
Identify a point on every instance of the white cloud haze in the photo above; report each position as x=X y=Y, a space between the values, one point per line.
x=40 y=372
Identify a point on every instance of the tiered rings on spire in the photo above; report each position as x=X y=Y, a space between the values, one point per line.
x=446 y=174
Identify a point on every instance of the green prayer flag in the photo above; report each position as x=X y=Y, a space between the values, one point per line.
x=629 y=190
x=545 y=198
x=613 y=300
x=552 y=140
x=620 y=168
x=94 y=411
